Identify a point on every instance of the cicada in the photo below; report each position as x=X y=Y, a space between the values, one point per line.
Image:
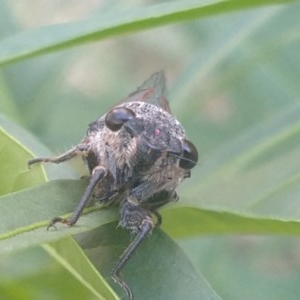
x=137 y=154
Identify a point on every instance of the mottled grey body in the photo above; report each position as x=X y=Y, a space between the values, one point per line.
x=139 y=158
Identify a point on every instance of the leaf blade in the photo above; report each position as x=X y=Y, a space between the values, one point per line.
x=24 y=215
x=57 y=37
x=68 y=253
x=157 y=257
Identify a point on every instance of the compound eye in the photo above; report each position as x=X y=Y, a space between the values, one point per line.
x=189 y=156
x=117 y=117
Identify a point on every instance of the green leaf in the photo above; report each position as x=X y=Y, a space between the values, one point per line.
x=17 y=146
x=257 y=174
x=36 y=206
x=195 y=221
x=14 y=173
x=57 y=37
x=67 y=252
x=248 y=267
x=158 y=270
x=8 y=107
x=25 y=215
x=34 y=274
x=249 y=186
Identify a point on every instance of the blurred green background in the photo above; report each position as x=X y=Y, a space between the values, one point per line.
x=229 y=76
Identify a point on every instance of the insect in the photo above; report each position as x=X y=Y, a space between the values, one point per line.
x=137 y=154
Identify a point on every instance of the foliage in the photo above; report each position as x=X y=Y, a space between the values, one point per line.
x=233 y=73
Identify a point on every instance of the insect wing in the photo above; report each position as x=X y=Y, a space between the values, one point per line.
x=152 y=91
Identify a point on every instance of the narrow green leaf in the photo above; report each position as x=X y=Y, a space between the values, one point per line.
x=8 y=106
x=25 y=215
x=17 y=146
x=158 y=270
x=196 y=221
x=57 y=37
x=67 y=252
x=14 y=173
x=234 y=179
x=33 y=274
x=258 y=174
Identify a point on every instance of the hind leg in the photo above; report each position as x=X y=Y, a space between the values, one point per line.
x=139 y=222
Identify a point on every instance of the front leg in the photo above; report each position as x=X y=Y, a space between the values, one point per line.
x=80 y=149
x=139 y=222
x=98 y=174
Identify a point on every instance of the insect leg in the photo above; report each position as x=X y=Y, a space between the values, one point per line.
x=159 y=200
x=98 y=173
x=79 y=149
x=139 y=221
x=158 y=217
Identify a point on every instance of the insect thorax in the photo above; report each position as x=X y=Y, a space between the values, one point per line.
x=140 y=152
